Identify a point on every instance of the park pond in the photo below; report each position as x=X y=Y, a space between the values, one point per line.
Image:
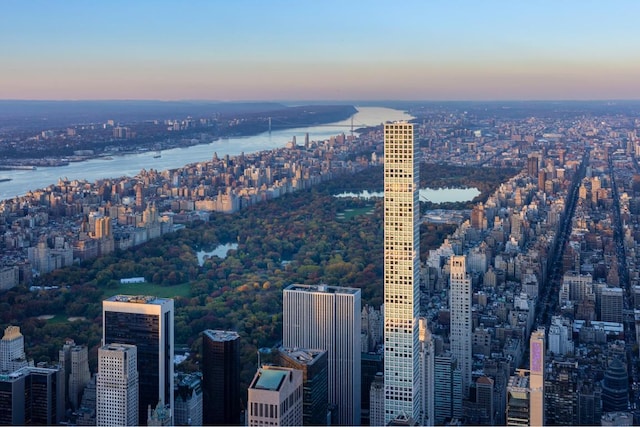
x=220 y=251
x=434 y=195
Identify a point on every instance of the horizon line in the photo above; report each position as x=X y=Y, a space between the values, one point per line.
x=255 y=101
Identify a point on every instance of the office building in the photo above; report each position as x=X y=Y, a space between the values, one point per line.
x=221 y=377
x=611 y=305
x=74 y=362
x=188 y=400
x=560 y=393
x=86 y=414
x=146 y=322
x=589 y=403
x=461 y=324
x=427 y=366
x=447 y=389
x=536 y=377
x=376 y=401
x=275 y=397
x=328 y=317
x=615 y=387
x=518 y=400
x=117 y=386
x=401 y=271
x=12 y=355
x=314 y=367
x=372 y=364
x=32 y=396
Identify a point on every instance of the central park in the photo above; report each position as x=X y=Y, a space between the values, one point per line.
x=308 y=237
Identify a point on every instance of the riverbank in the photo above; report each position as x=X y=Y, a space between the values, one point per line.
x=58 y=147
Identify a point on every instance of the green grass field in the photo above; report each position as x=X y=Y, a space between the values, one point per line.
x=183 y=290
x=352 y=213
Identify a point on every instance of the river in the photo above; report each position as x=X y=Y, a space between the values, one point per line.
x=23 y=181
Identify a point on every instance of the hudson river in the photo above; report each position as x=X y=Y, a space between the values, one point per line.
x=23 y=181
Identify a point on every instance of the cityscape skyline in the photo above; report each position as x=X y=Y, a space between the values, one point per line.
x=282 y=50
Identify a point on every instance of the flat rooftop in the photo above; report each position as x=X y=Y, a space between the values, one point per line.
x=137 y=299
x=270 y=379
x=217 y=335
x=322 y=289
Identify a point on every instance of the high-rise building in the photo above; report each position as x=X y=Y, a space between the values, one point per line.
x=561 y=392
x=461 y=323
x=615 y=387
x=32 y=396
x=86 y=414
x=12 y=356
x=536 y=377
x=275 y=397
x=328 y=317
x=117 y=386
x=518 y=408
x=221 y=377
x=372 y=365
x=314 y=368
x=188 y=400
x=74 y=362
x=445 y=392
x=401 y=272
x=376 y=401
x=533 y=165
x=589 y=403
x=611 y=305
x=146 y=322
x=427 y=366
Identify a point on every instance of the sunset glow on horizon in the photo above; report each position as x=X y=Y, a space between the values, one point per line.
x=330 y=50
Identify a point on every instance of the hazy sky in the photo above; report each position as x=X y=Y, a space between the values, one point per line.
x=320 y=49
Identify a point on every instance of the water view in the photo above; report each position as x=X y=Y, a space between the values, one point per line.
x=434 y=195
x=22 y=181
x=220 y=251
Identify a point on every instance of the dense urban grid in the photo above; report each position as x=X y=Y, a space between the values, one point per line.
x=526 y=314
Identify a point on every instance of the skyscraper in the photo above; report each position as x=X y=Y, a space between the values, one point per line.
x=74 y=361
x=147 y=323
x=221 y=377
x=536 y=377
x=188 y=400
x=275 y=397
x=427 y=368
x=313 y=365
x=328 y=317
x=461 y=325
x=12 y=356
x=32 y=396
x=401 y=272
x=117 y=386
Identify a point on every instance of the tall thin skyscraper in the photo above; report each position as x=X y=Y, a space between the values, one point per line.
x=427 y=372
x=221 y=377
x=401 y=272
x=117 y=386
x=536 y=377
x=147 y=323
x=328 y=317
x=461 y=324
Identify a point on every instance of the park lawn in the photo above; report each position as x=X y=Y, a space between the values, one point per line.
x=182 y=290
x=354 y=212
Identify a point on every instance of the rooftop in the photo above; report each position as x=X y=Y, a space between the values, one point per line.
x=270 y=379
x=322 y=288
x=218 y=335
x=137 y=299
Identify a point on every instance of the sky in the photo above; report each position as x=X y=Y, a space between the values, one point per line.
x=276 y=50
